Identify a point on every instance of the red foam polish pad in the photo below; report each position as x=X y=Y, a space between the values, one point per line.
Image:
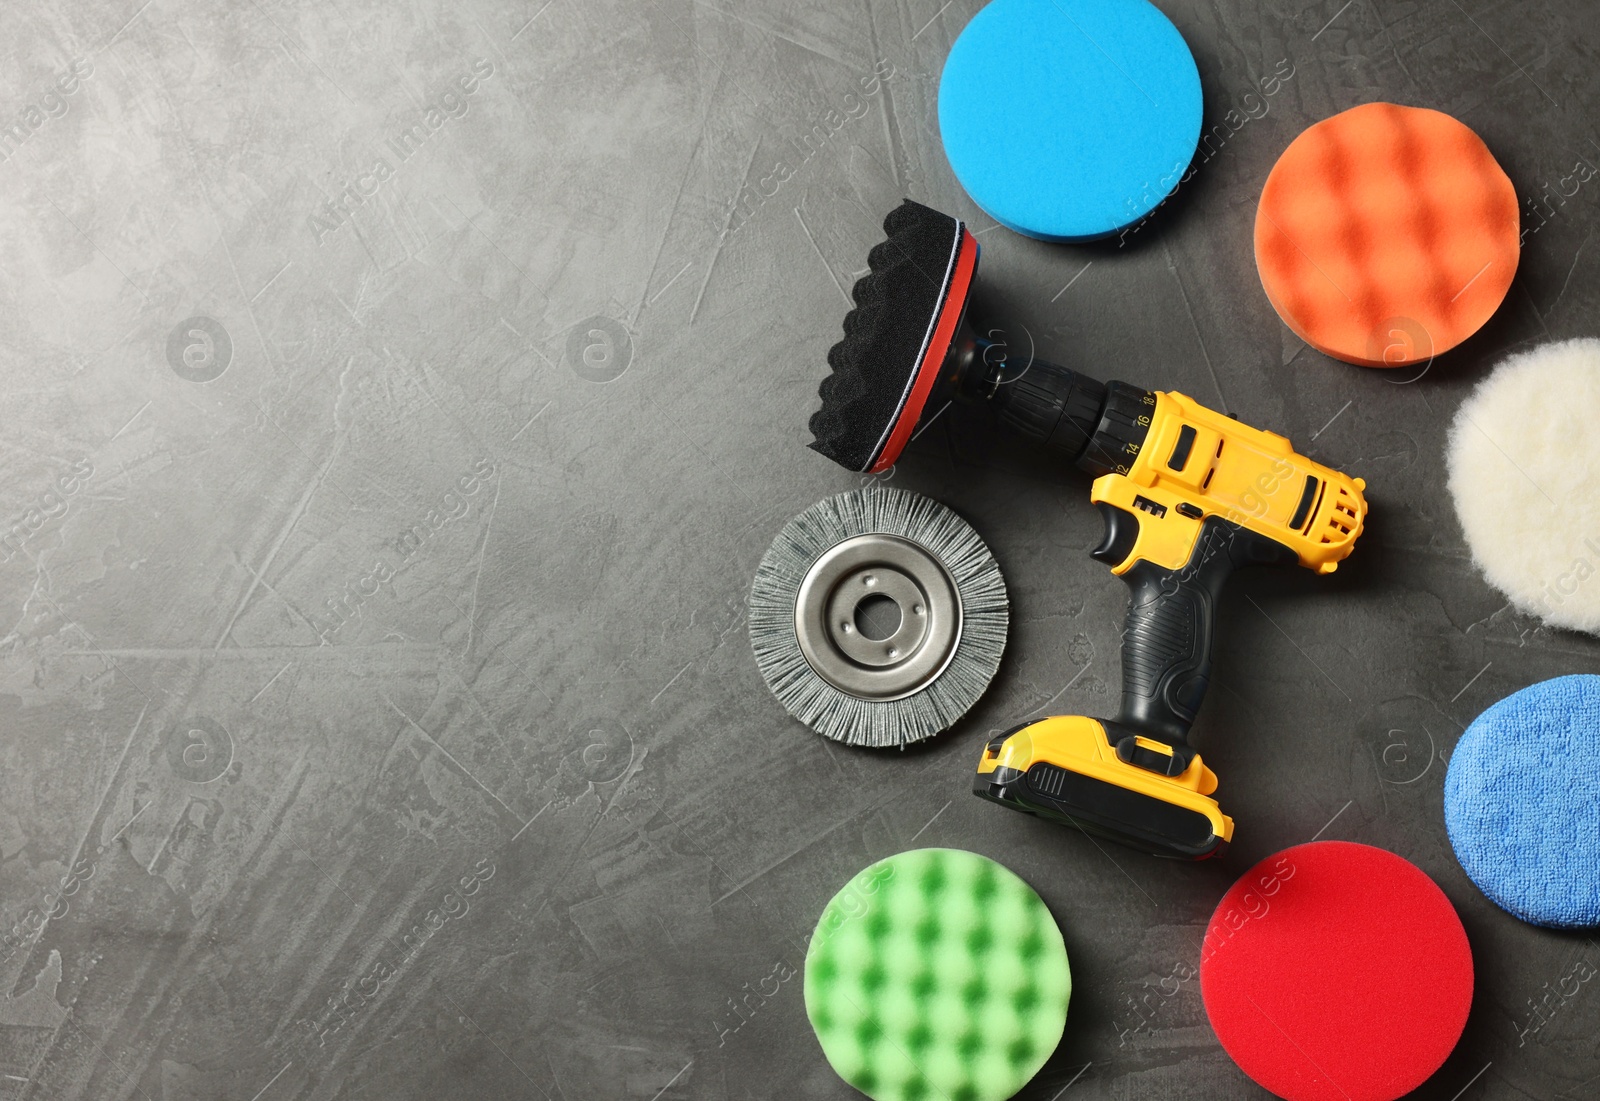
x=1337 y=972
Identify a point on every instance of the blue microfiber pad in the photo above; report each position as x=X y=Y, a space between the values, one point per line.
x=1069 y=120
x=1522 y=802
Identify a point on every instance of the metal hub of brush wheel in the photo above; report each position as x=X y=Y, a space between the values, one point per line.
x=829 y=617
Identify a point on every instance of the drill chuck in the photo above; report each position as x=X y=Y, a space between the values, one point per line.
x=1054 y=407
x=1098 y=426
x=1119 y=436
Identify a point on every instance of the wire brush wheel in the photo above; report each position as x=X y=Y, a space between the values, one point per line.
x=1525 y=477
x=878 y=617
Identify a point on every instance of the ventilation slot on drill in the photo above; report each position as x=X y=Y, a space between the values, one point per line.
x=1213 y=469
x=1307 y=495
x=1180 y=450
x=1342 y=520
x=1312 y=517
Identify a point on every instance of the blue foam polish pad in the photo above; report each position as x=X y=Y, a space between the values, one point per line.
x=1522 y=802
x=1069 y=120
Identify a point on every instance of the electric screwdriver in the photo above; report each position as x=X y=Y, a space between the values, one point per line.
x=1187 y=496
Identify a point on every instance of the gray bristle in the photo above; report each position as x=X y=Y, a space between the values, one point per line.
x=984 y=610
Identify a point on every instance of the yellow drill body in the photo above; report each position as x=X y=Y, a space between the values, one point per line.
x=1228 y=469
x=1165 y=502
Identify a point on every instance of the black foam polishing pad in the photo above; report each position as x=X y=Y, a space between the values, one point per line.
x=907 y=308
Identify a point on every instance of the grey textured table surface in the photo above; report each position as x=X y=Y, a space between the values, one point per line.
x=397 y=401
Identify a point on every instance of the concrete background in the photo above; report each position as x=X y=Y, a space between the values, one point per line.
x=381 y=538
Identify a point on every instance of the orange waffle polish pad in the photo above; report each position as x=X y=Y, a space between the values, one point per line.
x=1387 y=235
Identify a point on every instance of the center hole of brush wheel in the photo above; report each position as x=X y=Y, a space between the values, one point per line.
x=878 y=617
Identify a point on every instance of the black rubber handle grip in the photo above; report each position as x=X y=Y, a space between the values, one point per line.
x=1166 y=645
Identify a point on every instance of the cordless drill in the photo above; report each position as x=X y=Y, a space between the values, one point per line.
x=1187 y=496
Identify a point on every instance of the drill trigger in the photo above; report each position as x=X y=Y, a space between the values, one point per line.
x=1122 y=532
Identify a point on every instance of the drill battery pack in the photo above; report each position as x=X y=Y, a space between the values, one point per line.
x=1137 y=791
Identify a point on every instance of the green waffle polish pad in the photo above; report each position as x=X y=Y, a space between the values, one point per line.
x=937 y=975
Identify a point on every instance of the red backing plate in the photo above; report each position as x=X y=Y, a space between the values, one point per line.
x=1337 y=972
x=944 y=330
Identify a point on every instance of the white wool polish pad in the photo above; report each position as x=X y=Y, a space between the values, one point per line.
x=1524 y=461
